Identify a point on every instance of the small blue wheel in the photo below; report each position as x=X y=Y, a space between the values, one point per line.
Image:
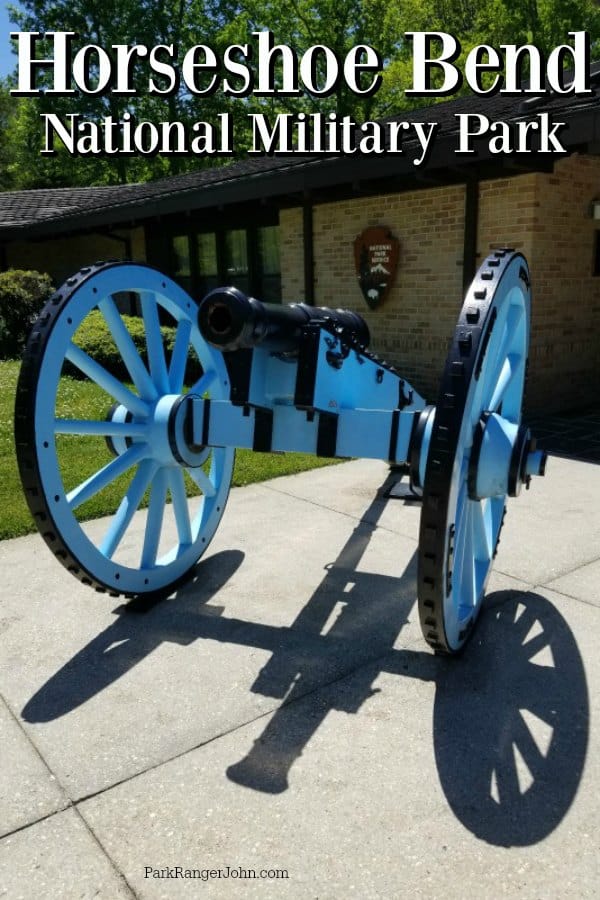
x=125 y=439
x=478 y=452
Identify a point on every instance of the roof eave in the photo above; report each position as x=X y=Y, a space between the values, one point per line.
x=583 y=132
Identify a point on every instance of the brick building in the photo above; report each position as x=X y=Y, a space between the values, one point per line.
x=284 y=227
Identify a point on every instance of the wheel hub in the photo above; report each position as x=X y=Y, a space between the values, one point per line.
x=180 y=431
x=419 y=448
x=503 y=458
x=168 y=431
x=120 y=415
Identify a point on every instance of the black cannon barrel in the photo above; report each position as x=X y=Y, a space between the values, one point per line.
x=230 y=320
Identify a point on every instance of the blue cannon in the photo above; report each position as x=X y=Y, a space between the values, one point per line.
x=242 y=374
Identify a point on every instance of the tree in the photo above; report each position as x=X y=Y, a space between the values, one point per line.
x=300 y=24
x=339 y=25
x=545 y=23
x=6 y=147
x=149 y=22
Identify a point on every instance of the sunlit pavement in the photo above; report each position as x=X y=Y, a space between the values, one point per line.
x=281 y=712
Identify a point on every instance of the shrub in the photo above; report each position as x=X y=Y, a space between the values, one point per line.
x=22 y=296
x=94 y=337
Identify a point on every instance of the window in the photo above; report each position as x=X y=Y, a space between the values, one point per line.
x=208 y=266
x=268 y=248
x=181 y=266
x=269 y=264
x=236 y=259
x=247 y=258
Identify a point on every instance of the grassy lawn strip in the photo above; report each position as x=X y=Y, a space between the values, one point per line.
x=81 y=456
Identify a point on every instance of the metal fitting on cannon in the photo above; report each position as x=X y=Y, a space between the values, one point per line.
x=230 y=320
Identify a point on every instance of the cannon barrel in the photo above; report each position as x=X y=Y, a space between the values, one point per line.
x=230 y=320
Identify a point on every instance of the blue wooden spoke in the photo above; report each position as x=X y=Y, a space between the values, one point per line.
x=154 y=522
x=127 y=508
x=203 y=481
x=105 y=380
x=106 y=475
x=462 y=493
x=500 y=351
x=103 y=428
x=470 y=596
x=481 y=531
x=204 y=383
x=127 y=349
x=463 y=540
x=497 y=387
x=179 y=356
x=180 y=506
x=154 y=344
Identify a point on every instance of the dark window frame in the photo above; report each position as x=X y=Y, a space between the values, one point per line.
x=196 y=225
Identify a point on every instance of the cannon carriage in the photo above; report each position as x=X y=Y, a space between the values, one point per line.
x=282 y=378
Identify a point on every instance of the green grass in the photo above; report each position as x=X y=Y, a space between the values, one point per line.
x=81 y=456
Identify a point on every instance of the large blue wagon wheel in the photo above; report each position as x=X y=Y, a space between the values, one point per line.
x=127 y=440
x=483 y=383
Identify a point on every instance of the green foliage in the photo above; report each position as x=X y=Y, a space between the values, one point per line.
x=94 y=337
x=545 y=23
x=22 y=296
x=339 y=24
x=113 y=22
x=6 y=147
x=81 y=455
x=27 y=168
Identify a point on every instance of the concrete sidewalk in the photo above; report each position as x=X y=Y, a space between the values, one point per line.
x=282 y=711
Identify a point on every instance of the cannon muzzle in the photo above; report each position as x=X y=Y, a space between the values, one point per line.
x=230 y=320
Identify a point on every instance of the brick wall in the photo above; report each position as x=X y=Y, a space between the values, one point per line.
x=413 y=327
x=565 y=347
x=546 y=217
x=292 y=255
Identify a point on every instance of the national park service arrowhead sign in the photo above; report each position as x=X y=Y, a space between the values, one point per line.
x=376 y=254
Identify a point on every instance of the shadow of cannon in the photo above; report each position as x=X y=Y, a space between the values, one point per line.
x=511 y=715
